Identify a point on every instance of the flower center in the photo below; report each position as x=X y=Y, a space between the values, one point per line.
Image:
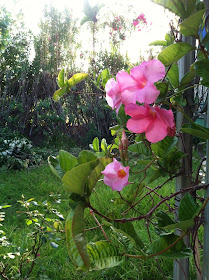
x=152 y=113
x=121 y=173
x=142 y=82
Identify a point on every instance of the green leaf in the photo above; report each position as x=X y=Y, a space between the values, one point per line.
x=76 y=78
x=174 y=52
x=178 y=99
x=164 y=219
x=105 y=75
x=181 y=225
x=139 y=148
x=177 y=7
x=173 y=75
x=86 y=156
x=190 y=6
x=202 y=69
x=67 y=161
x=85 y=19
x=96 y=173
x=196 y=132
x=163 y=88
x=59 y=93
x=166 y=223
x=103 y=254
x=76 y=245
x=28 y=222
x=200 y=5
x=60 y=79
x=158 y=173
x=96 y=144
x=131 y=195
x=164 y=147
x=112 y=146
x=104 y=146
x=159 y=43
x=4 y=206
x=55 y=166
x=75 y=179
x=191 y=25
x=189 y=76
x=129 y=230
x=169 y=39
x=114 y=129
x=188 y=208
x=122 y=117
x=178 y=251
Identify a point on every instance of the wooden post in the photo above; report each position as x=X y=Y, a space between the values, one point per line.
x=206 y=225
x=181 y=267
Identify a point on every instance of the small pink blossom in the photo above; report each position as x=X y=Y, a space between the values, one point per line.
x=116 y=175
x=113 y=94
x=139 y=85
x=155 y=122
x=135 y=22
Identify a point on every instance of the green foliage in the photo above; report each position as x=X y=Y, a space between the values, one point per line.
x=181 y=8
x=178 y=251
x=202 y=69
x=43 y=226
x=196 y=130
x=74 y=227
x=188 y=208
x=91 y=12
x=18 y=153
x=67 y=85
x=174 y=52
x=190 y=26
x=75 y=180
x=164 y=43
x=103 y=255
x=173 y=75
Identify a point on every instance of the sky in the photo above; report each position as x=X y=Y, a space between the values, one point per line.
x=136 y=44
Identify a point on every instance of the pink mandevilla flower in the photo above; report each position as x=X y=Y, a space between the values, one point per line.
x=155 y=122
x=116 y=175
x=113 y=94
x=139 y=85
x=135 y=22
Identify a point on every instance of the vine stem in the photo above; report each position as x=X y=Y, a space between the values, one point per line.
x=105 y=235
x=158 y=253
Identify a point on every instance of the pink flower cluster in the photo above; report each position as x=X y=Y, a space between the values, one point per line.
x=138 y=86
x=140 y=20
x=117 y=23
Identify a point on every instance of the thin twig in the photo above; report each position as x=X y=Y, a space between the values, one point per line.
x=105 y=235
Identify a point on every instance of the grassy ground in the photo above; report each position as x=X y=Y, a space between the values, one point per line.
x=39 y=183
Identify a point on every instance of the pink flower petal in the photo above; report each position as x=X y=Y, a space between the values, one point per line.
x=125 y=81
x=138 y=72
x=116 y=175
x=166 y=116
x=135 y=110
x=154 y=71
x=129 y=96
x=138 y=125
x=113 y=94
x=157 y=131
x=148 y=94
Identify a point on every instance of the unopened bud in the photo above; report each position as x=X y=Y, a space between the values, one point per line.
x=124 y=141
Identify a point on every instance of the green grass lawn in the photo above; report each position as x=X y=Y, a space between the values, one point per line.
x=53 y=263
